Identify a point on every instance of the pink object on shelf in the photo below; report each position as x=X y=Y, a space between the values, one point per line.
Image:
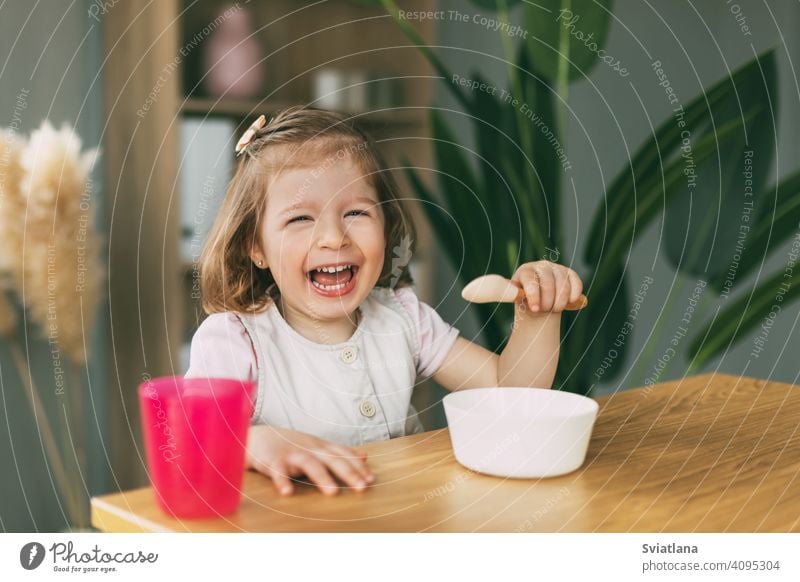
x=195 y=432
x=232 y=55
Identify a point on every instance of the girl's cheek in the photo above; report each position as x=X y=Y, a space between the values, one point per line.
x=283 y=253
x=292 y=238
x=373 y=230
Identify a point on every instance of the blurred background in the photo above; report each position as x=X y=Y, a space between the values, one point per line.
x=653 y=148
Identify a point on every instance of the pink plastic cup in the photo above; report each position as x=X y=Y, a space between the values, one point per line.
x=195 y=432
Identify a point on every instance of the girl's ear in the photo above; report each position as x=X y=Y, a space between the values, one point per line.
x=258 y=258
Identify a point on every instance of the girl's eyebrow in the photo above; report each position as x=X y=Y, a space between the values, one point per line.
x=366 y=199
x=292 y=209
x=303 y=205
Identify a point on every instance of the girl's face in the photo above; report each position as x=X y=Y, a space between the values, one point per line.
x=322 y=238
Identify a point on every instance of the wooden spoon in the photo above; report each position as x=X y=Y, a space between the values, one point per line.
x=498 y=289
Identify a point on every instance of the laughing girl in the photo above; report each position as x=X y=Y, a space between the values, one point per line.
x=306 y=299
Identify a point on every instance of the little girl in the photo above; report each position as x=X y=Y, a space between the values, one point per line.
x=306 y=300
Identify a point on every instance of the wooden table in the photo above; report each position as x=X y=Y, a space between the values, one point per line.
x=708 y=453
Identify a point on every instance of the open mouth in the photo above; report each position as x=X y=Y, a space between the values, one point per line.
x=333 y=280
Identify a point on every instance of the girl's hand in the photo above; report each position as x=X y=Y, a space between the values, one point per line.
x=548 y=286
x=281 y=454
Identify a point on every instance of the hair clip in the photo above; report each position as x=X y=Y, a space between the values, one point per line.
x=248 y=135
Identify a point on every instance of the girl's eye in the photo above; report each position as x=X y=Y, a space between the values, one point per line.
x=357 y=213
x=299 y=219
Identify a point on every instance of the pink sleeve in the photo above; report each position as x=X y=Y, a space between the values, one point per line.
x=435 y=337
x=221 y=348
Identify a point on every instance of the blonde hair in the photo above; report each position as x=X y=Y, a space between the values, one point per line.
x=296 y=137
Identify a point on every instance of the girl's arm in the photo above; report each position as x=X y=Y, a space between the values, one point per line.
x=221 y=348
x=530 y=357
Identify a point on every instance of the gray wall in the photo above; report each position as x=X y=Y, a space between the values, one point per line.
x=711 y=38
x=53 y=51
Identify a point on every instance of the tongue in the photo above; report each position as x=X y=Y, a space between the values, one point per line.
x=331 y=278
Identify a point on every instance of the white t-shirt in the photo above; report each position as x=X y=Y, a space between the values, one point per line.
x=350 y=393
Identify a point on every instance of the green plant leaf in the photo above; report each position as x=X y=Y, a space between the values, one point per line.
x=655 y=192
x=702 y=221
x=495 y=320
x=566 y=33
x=606 y=322
x=499 y=194
x=446 y=230
x=594 y=344
x=527 y=173
x=513 y=176
x=514 y=155
x=523 y=144
x=650 y=158
x=734 y=322
x=493 y=4
x=548 y=149
x=459 y=94
x=776 y=221
x=463 y=195
x=533 y=240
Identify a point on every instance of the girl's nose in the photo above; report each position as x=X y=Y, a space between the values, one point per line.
x=331 y=235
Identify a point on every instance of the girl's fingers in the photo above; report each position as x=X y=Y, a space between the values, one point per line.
x=263 y=467
x=357 y=460
x=547 y=289
x=346 y=452
x=316 y=472
x=280 y=478
x=577 y=286
x=530 y=284
x=347 y=472
x=562 y=290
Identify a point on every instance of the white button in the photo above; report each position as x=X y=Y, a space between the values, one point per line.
x=349 y=354
x=367 y=408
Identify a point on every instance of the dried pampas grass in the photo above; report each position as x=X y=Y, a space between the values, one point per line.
x=12 y=207
x=47 y=229
x=51 y=253
x=11 y=176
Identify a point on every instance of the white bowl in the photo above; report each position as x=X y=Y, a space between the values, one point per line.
x=520 y=432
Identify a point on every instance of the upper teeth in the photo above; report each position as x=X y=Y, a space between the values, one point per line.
x=333 y=269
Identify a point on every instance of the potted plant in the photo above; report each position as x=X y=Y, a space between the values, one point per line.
x=516 y=180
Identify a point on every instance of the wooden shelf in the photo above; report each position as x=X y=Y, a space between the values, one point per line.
x=150 y=307
x=246 y=109
x=230 y=107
